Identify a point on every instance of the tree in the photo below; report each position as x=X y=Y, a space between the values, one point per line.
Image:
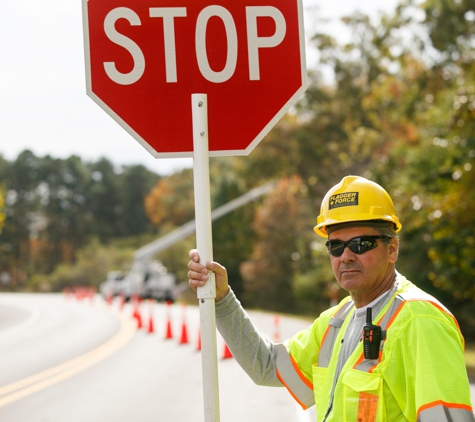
x=269 y=273
x=135 y=184
x=233 y=234
x=451 y=25
x=276 y=156
x=21 y=205
x=437 y=161
x=104 y=201
x=54 y=207
x=93 y=262
x=170 y=202
x=402 y=114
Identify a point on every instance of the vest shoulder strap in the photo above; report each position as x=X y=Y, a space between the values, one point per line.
x=331 y=333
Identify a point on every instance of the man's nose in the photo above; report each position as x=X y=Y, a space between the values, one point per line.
x=347 y=255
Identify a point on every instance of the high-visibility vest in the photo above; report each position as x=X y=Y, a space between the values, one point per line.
x=419 y=375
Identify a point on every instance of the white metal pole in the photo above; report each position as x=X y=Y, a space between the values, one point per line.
x=207 y=293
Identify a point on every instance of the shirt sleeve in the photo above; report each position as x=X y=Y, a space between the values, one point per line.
x=254 y=352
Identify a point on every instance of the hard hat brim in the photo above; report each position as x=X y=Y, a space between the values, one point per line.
x=325 y=228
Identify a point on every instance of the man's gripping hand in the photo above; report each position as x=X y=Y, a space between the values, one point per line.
x=198 y=275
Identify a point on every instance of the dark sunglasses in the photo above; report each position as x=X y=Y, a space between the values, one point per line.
x=357 y=245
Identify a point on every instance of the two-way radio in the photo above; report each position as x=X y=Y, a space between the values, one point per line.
x=371 y=337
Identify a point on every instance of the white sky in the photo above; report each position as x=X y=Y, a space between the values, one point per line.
x=43 y=101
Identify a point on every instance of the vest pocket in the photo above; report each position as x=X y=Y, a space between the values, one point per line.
x=319 y=374
x=318 y=378
x=362 y=397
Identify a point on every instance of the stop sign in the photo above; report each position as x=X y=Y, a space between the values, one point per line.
x=145 y=58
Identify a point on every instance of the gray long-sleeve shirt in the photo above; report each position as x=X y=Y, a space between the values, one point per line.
x=251 y=349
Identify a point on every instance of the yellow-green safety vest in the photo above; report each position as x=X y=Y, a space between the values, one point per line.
x=419 y=376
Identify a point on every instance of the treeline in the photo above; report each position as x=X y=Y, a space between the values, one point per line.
x=400 y=110
x=54 y=207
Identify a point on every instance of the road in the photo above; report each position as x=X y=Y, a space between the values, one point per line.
x=70 y=360
x=64 y=360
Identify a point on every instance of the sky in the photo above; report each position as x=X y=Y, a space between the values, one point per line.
x=43 y=101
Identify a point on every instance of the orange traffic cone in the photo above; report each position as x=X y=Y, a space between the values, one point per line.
x=138 y=317
x=168 y=331
x=151 y=327
x=184 y=331
x=227 y=353
x=136 y=314
x=184 y=334
x=198 y=345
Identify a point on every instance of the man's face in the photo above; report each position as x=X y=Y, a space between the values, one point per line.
x=366 y=275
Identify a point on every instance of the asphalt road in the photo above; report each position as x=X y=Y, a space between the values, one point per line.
x=64 y=360
x=69 y=360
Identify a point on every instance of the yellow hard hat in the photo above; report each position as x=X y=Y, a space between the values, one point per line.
x=355 y=199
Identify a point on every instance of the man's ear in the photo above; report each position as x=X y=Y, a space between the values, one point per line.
x=393 y=250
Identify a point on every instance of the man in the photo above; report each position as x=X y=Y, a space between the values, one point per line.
x=387 y=352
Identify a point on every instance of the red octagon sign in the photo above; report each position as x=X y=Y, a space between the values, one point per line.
x=145 y=58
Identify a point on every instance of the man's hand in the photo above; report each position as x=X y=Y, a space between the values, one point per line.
x=198 y=275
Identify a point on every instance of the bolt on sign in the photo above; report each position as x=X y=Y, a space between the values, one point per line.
x=145 y=58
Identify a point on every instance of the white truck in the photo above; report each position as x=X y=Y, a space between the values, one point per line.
x=149 y=280
x=110 y=287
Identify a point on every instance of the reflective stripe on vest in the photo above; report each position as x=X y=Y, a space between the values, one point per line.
x=290 y=375
x=329 y=338
x=288 y=371
x=446 y=412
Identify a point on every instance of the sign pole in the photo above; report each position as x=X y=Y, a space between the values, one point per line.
x=204 y=241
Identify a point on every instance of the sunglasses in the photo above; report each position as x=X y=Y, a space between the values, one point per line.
x=357 y=245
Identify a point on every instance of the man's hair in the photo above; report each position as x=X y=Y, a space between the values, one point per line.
x=388 y=231
x=386 y=228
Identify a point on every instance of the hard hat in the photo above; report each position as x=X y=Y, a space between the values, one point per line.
x=356 y=199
